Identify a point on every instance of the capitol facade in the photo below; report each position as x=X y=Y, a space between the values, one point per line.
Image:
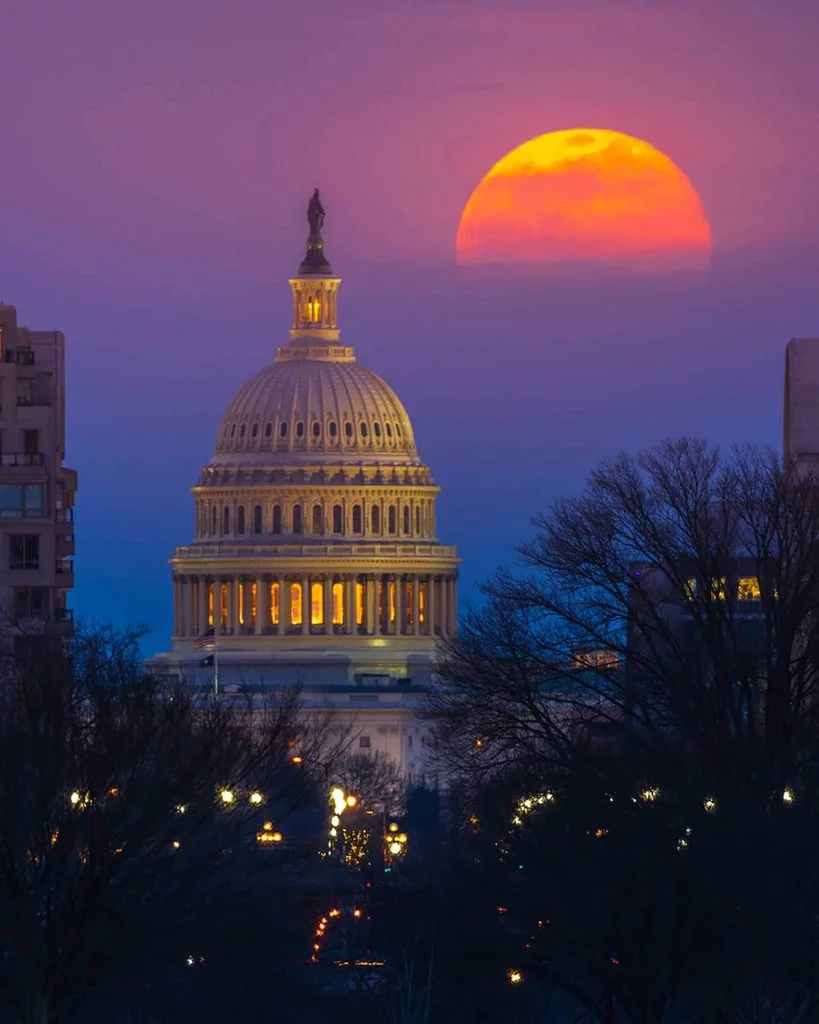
x=315 y=557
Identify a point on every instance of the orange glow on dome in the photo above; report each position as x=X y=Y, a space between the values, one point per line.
x=585 y=195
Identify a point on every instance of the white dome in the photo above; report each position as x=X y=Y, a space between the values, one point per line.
x=311 y=405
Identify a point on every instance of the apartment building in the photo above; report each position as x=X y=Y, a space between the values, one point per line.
x=36 y=489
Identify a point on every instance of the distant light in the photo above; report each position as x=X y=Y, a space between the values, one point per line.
x=334 y=832
x=650 y=794
x=393 y=827
x=337 y=795
x=256 y=798
x=352 y=800
x=113 y=791
x=710 y=804
x=296 y=759
x=75 y=798
x=176 y=844
x=335 y=821
x=181 y=808
x=395 y=847
x=788 y=796
x=227 y=796
x=356 y=912
x=515 y=977
x=402 y=837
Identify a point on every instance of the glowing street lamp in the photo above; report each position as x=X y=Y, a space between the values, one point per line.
x=227 y=796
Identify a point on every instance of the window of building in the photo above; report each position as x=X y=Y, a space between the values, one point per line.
x=300 y=429
x=241 y=599
x=275 y=607
x=364 y=742
x=388 y=428
x=316 y=429
x=22 y=501
x=295 y=604
x=298 y=526
x=363 y=428
x=392 y=603
x=359 y=603
x=748 y=589
x=283 y=430
x=257 y=519
x=348 y=429
x=223 y=605
x=377 y=429
x=409 y=604
x=422 y=603
x=30 y=602
x=357 y=519
x=210 y=604
x=24 y=551
x=392 y=520
x=318 y=520
x=317 y=604
x=338 y=604
x=375 y=519
x=242 y=430
x=338 y=519
x=719 y=585
x=240 y=520
x=397 y=429
x=31 y=442
x=277 y=519
x=254 y=430
x=268 y=429
x=226 y=521
x=332 y=428
x=233 y=430
x=253 y=598
x=406 y=520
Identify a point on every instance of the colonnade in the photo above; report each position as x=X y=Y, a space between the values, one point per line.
x=389 y=604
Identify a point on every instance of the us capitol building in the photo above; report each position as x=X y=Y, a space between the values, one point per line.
x=315 y=555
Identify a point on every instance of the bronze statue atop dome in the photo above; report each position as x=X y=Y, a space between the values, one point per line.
x=315 y=214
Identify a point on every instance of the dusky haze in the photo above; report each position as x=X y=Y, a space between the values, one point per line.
x=156 y=163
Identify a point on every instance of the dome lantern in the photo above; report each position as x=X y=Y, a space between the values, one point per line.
x=315 y=288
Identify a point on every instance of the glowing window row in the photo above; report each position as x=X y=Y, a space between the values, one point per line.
x=747 y=588
x=247 y=603
x=244 y=523
x=387 y=430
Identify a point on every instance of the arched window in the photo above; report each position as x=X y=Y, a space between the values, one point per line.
x=213 y=521
x=360 y=594
x=392 y=520
x=363 y=428
x=388 y=428
x=226 y=521
x=240 y=520
x=268 y=429
x=377 y=429
x=318 y=520
x=338 y=604
x=298 y=526
x=223 y=605
x=210 y=604
x=338 y=519
x=300 y=429
x=275 y=606
x=316 y=429
x=317 y=604
x=406 y=521
x=375 y=519
x=295 y=604
x=277 y=519
x=257 y=519
x=332 y=428
x=254 y=430
x=357 y=525
x=418 y=520
x=348 y=429
x=283 y=430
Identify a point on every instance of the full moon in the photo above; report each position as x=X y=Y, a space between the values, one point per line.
x=585 y=195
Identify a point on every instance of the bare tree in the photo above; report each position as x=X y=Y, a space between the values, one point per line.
x=128 y=810
x=374 y=778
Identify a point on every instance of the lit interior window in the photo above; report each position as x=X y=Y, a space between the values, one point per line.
x=210 y=604
x=295 y=604
x=690 y=589
x=392 y=602
x=359 y=604
x=223 y=605
x=274 y=604
x=408 y=603
x=338 y=604
x=317 y=604
x=241 y=604
x=718 y=587
x=313 y=309
x=748 y=589
x=252 y=604
x=422 y=603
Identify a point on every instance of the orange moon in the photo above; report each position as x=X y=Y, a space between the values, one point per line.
x=585 y=195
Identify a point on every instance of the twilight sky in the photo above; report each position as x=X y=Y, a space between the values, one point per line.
x=156 y=162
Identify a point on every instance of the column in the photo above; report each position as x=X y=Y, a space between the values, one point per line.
x=399 y=605
x=349 y=604
x=370 y=594
x=453 y=595
x=247 y=602
x=305 y=605
x=444 y=606
x=177 y=600
x=201 y=605
x=284 y=606
x=328 y=604
x=262 y=605
x=233 y=614
x=431 y=610
x=416 y=605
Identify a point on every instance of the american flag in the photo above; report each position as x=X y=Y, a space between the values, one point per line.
x=206 y=642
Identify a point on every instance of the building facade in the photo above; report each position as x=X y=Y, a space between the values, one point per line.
x=315 y=556
x=801 y=404
x=36 y=489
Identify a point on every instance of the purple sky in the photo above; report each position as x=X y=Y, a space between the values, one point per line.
x=156 y=158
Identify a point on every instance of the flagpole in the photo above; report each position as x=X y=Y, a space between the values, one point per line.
x=215 y=667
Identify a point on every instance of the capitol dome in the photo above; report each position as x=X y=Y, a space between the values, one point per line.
x=312 y=403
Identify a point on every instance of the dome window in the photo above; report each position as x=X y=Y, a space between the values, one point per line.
x=283 y=430
x=318 y=520
x=375 y=519
x=233 y=430
x=300 y=429
x=298 y=525
x=277 y=519
x=357 y=524
x=392 y=520
x=388 y=428
x=242 y=430
x=338 y=519
x=226 y=521
x=254 y=430
x=377 y=429
x=332 y=428
x=316 y=429
x=240 y=520
x=257 y=519
x=397 y=429
x=348 y=429
x=406 y=520
x=268 y=429
x=363 y=428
